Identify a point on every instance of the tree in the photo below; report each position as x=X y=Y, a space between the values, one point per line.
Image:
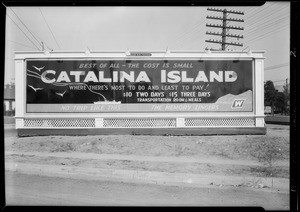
x=270 y=95
x=280 y=102
x=286 y=91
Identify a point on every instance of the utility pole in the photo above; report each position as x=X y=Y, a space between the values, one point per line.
x=225 y=27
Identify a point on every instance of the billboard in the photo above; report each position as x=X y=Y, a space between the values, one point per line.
x=135 y=85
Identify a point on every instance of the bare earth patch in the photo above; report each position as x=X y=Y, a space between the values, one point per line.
x=267 y=150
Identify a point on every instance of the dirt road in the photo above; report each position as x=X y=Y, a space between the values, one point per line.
x=22 y=189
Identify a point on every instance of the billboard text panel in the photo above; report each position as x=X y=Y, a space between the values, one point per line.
x=139 y=85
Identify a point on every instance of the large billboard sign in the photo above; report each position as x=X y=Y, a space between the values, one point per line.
x=120 y=85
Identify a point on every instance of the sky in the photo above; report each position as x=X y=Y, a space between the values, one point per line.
x=266 y=28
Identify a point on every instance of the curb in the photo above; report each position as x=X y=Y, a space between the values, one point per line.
x=152 y=177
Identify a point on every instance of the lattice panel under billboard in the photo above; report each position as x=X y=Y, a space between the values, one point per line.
x=138 y=123
x=229 y=122
x=59 y=123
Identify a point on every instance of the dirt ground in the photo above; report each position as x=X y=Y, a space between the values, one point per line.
x=227 y=154
x=269 y=151
x=23 y=189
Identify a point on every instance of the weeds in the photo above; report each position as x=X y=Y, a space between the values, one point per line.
x=64 y=147
x=223 y=153
x=267 y=152
x=178 y=150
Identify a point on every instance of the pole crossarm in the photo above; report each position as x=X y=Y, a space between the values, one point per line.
x=226 y=19
x=225 y=27
x=227 y=11
x=225 y=43
x=227 y=35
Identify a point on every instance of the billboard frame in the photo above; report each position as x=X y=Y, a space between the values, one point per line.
x=257 y=114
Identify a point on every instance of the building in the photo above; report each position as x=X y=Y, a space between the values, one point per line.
x=9 y=100
x=157 y=92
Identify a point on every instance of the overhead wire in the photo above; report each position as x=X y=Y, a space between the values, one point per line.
x=20 y=44
x=49 y=28
x=268 y=17
x=25 y=26
x=189 y=36
x=191 y=25
x=264 y=29
x=276 y=66
x=253 y=17
x=265 y=20
x=266 y=26
x=39 y=40
x=23 y=32
x=193 y=28
x=267 y=34
x=252 y=14
x=51 y=49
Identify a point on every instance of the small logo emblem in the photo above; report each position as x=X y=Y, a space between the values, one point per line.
x=238 y=103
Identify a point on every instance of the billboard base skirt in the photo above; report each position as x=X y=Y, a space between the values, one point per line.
x=146 y=131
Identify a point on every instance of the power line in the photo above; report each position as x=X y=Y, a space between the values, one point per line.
x=22 y=31
x=267 y=34
x=49 y=29
x=20 y=44
x=195 y=32
x=265 y=28
x=253 y=17
x=267 y=15
x=25 y=26
x=253 y=9
x=266 y=25
x=277 y=66
x=178 y=36
x=253 y=27
x=188 y=33
x=45 y=44
x=34 y=36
